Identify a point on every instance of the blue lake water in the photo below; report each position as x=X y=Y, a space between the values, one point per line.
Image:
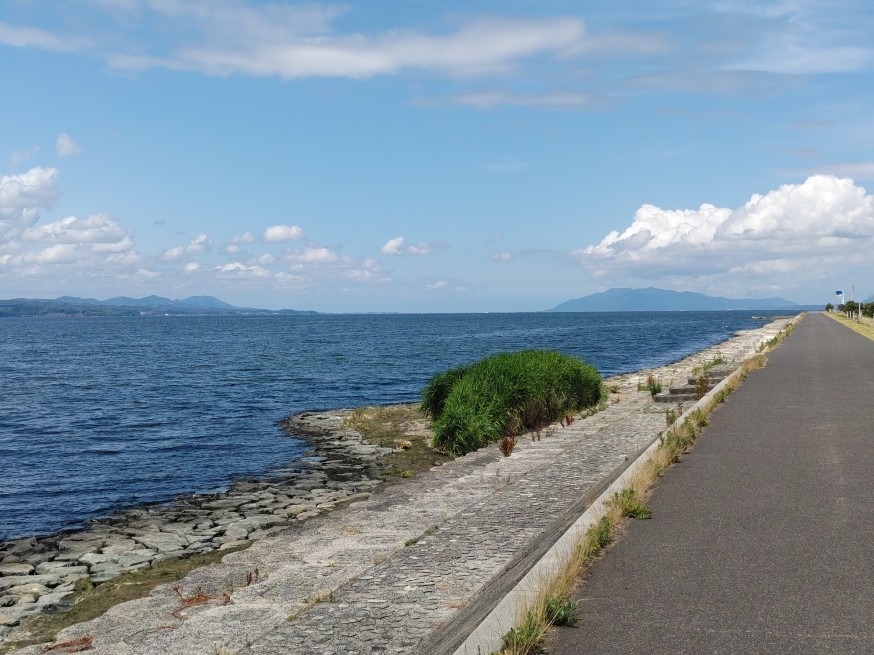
x=102 y=413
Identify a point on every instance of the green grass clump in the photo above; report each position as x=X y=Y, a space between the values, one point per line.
x=561 y=611
x=506 y=395
x=437 y=390
x=627 y=502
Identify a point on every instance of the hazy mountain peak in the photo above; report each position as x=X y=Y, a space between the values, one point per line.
x=653 y=299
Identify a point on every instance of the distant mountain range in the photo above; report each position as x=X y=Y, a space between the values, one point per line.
x=652 y=299
x=124 y=306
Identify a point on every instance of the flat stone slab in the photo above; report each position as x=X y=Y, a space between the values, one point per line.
x=16 y=569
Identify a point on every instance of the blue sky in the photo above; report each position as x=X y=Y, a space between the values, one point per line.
x=416 y=156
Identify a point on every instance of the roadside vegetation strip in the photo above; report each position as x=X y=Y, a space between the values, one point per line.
x=861 y=328
x=625 y=501
x=506 y=395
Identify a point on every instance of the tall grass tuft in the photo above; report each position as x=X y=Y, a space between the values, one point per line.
x=506 y=395
x=437 y=390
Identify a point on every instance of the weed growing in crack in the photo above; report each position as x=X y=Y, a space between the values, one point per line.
x=702 y=386
x=627 y=502
x=197 y=598
x=561 y=611
x=653 y=385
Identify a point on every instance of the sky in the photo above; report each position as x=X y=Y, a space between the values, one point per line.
x=414 y=156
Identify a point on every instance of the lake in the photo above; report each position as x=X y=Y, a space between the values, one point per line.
x=102 y=413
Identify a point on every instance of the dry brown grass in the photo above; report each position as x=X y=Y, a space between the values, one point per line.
x=406 y=431
x=77 y=645
x=506 y=445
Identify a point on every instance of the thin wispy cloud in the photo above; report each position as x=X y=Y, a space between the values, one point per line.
x=227 y=37
x=17 y=158
x=66 y=146
x=550 y=100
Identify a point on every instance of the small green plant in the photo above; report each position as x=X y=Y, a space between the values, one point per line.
x=525 y=637
x=406 y=473
x=561 y=611
x=652 y=384
x=629 y=505
x=670 y=416
x=600 y=534
x=322 y=597
x=702 y=386
x=706 y=366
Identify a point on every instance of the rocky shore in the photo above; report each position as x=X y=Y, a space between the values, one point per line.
x=42 y=574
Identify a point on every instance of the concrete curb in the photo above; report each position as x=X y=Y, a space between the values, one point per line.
x=488 y=636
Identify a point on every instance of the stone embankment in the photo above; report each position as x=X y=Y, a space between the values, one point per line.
x=41 y=574
x=386 y=573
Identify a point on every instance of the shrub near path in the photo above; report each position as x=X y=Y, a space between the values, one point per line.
x=506 y=395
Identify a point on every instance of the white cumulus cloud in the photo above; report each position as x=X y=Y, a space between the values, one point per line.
x=279 y=233
x=316 y=255
x=396 y=246
x=97 y=229
x=241 y=270
x=393 y=246
x=22 y=196
x=199 y=243
x=233 y=244
x=59 y=251
x=791 y=234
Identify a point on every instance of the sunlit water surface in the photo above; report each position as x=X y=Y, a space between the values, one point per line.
x=102 y=413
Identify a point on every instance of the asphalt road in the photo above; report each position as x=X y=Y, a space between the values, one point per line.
x=762 y=539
